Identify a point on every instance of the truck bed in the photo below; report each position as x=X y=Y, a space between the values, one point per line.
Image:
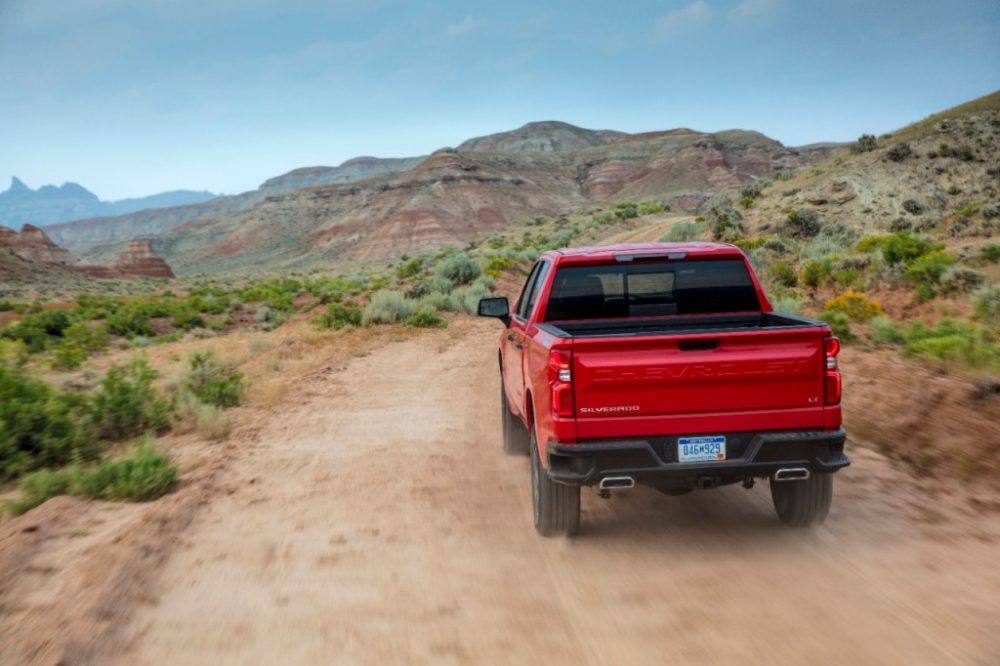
x=675 y=325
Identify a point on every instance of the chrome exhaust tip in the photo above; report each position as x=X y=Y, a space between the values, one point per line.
x=791 y=474
x=617 y=482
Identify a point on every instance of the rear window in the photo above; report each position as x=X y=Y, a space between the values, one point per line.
x=651 y=289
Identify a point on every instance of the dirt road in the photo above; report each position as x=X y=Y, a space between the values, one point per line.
x=377 y=521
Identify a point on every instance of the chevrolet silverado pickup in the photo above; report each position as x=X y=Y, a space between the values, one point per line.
x=665 y=365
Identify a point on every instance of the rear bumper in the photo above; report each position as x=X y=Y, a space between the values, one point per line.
x=653 y=460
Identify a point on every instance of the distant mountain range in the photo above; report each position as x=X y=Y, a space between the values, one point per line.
x=49 y=204
x=380 y=208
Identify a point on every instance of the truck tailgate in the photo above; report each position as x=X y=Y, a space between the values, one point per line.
x=654 y=379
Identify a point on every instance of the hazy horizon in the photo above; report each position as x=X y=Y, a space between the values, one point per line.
x=132 y=99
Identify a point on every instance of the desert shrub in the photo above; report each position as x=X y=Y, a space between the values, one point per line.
x=913 y=207
x=856 y=306
x=802 y=223
x=13 y=353
x=425 y=316
x=39 y=424
x=724 y=221
x=68 y=356
x=928 y=268
x=750 y=243
x=626 y=211
x=7 y=306
x=839 y=323
x=494 y=265
x=685 y=231
x=816 y=272
x=130 y=320
x=900 y=224
x=883 y=331
x=410 y=268
x=388 y=307
x=865 y=143
x=126 y=404
x=788 y=304
x=39 y=330
x=990 y=252
x=458 y=269
x=651 y=208
x=987 y=304
x=783 y=274
x=958 y=342
x=144 y=475
x=754 y=189
x=903 y=247
x=961 y=279
x=214 y=382
x=89 y=338
x=337 y=316
x=191 y=414
x=277 y=294
x=776 y=245
x=334 y=290
x=839 y=232
x=899 y=151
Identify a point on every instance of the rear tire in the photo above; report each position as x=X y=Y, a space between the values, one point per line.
x=515 y=435
x=556 y=506
x=802 y=503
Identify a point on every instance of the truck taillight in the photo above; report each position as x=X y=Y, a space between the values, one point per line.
x=561 y=381
x=832 y=385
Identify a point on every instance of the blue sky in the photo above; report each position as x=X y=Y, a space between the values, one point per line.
x=134 y=97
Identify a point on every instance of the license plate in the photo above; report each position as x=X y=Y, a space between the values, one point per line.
x=701 y=449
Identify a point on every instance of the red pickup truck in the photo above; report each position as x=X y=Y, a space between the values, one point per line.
x=664 y=364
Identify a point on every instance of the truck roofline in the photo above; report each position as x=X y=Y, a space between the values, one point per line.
x=607 y=253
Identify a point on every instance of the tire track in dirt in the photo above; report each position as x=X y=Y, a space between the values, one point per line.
x=376 y=521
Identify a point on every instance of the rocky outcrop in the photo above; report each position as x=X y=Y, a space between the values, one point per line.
x=139 y=259
x=33 y=245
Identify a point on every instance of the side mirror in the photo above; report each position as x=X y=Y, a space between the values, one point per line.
x=495 y=307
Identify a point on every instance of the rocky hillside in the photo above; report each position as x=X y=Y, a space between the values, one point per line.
x=29 y=255
x=50 y=204
x=939 y=178
x=102 y=237
x=485 y=185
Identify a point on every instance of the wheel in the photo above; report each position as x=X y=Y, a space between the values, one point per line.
x=515 y=436
x=556 y=506
x=805 y=502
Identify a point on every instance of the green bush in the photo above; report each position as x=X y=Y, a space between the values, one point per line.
x=724 y=221
x=685 y=232
x=783 y=274
x=410 y=268
x=126 y=404
x=650 y=208
x=626 y=211
x=928 y=268
x=89 y=338
x=425 y=316
x=972 y=345
x=865 y=143
x=839 y=323
x=885 y=332
x=131 y=320
x=987 y=304
x=494 y=265
x=856 y=306
x=214 y=382
x=903 y=247
x=68 y=356
x=388 y=307
x=816 y=272
x=338 y=316
x=991 y=252
x=144 y=475
x=899 y=151
x=39 y=425
x=802 y=223
x=458 y=269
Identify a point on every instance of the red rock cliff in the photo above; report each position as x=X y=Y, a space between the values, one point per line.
x=140 y=259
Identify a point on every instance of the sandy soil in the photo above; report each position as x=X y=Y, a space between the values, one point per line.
x=374 y=519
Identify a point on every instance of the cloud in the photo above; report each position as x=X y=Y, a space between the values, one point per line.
x=677 y=20
x=468 y=24
x=754 y=9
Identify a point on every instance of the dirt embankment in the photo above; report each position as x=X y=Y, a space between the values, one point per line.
x=374 y=519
